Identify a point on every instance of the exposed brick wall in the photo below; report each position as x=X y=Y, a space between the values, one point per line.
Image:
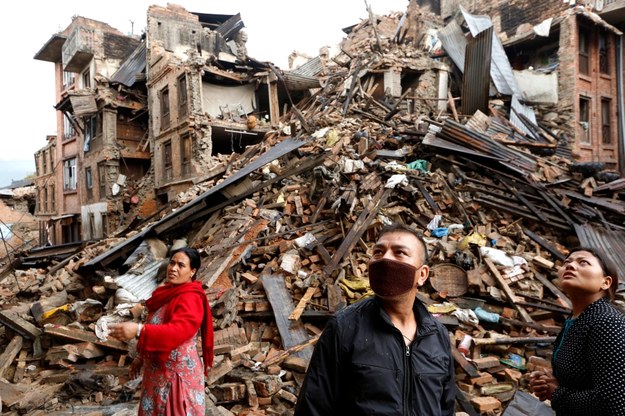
x=506 y=15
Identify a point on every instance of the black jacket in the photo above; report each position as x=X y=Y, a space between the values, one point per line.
x=361 y=366
x=589 y=363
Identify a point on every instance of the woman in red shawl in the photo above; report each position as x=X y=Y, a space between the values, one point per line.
x=173 y=374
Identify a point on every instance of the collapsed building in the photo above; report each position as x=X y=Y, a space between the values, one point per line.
x=142 y=119
x=18 y=226
x=566 y=58
x=286 y=225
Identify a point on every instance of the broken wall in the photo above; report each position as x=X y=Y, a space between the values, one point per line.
x=19 y=227
x=507 y=15
x=174 y=37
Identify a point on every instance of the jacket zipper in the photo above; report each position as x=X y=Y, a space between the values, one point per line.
x=407 y=372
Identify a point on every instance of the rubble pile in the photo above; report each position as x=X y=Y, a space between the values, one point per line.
x=286 y=228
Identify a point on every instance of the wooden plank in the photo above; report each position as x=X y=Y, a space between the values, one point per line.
x=465 y=405
x=19 y=325
x=427 y=196
x=464 y=363
x=21 y=367
x=525 y=201
x=80 y=335
x=513 y=340
x=11 y=393
x=509 y=293
x=358 y=228
x=37 y=397
x=10 y=352
x=291 y=332
x=536 y=238
x=297 y=312
x=554 y=289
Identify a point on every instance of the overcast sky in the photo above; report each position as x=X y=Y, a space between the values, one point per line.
x=275 y=28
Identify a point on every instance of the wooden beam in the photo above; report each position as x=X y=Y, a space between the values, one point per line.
x=297 y=312
x=10 y=352
x=358 y=228
x=464 y=363
x=509 y=293
x=554 y=289
x=289 y=351
x=525 y=201
x=465 y=405
x=545 y=245
x=21 y=326
x=80 y=335
x=513 y=340
x=427 y=196
x=291 y=332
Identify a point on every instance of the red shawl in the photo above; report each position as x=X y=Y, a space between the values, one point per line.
x=173 y=296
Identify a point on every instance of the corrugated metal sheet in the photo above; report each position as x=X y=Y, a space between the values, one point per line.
x=310 y=68
x=521 y=109
x=476 y=78
x=140 y=285
x=231 y=27
x=454 y=43
x=500 y=69
x=610 y=242
x=297 y=82
x=458 y=133
x=131 y=67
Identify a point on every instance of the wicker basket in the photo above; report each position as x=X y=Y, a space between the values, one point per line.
x=449 y=279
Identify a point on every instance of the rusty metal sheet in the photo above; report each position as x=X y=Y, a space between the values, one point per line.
x=610 y=242
x=476 y=80
x=500 y=70
x=131 y=67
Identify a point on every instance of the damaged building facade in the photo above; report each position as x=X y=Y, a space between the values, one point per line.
x=91 y=166
x=18 y=226
x=206 y=96
x=567 y=60
x=142 y=120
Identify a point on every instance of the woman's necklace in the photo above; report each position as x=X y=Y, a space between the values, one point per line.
x=407 y=339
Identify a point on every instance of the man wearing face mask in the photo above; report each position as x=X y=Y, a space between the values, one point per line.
x=385 y=355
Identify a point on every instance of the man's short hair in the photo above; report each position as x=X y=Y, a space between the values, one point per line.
x=397 y=227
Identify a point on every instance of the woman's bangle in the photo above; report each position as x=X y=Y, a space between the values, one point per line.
x=139 y=328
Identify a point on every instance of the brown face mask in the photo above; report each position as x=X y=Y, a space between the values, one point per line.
x=391 y=277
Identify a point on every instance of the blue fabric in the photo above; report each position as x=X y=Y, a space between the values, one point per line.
x=568 y=323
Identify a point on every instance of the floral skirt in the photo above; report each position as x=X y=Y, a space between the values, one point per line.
x=174 y=387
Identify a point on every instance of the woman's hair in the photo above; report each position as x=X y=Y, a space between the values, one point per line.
x=607 y=265
x=194 y=258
